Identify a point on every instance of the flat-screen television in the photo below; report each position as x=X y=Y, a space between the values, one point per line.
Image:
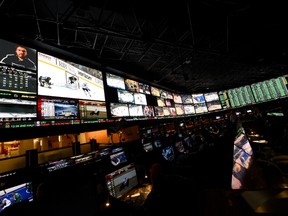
x=60 y=78
x=115 y=81
x=118 y=158
x=212 y=101
x=179 y=109
x=90 y=110
x=177 y=98
x=125 y=96
x=200 y=108
x=12 y=194
x=135 y=110
x=119 y=110
x=163 y=94
x=187 y=99
x=242 y=161
x=166 y=111
x=155 y=91
x=189 y=109
x=148 y=147
x=148 y=111
x=161 y=102
x=121 y=181
x=50 y=108
x=131 y=85
x=144 y=88
x=140 y=98
x=18 y=85
x=159 y=111
x=15 y=186
x=17 y=106
x=168 y=153
x=198 y=98
x=10 y=54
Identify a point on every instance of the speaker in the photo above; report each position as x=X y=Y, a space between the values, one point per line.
x=31 y=158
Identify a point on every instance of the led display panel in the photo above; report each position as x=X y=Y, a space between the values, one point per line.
x=148 y=111
x=144 y=88
x=177 y=98
x=179 y=109
x=131 y=85
x=140 y=98
x=241 y=96
x=187 y=99
x=125 y=96
x=115 y=81
x=119 y=110
x=90 y=110
x=57 y=108
x=60 y=78
x=155 y=91
x=135 y=110
x=198 y=98
x=270 y=89
x=189 y=109
x=212 y=101
x=17 y=56
x=18 y=101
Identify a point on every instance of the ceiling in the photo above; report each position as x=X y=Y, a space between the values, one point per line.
x=185 y=46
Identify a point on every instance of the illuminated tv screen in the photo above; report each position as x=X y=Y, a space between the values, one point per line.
x=144 y=88
x=125 y=96
x=17 y=193
x=131 y=85
x=57 y=108
x=10 y=53
x=119 y=110
x=92 y=109
x=177 y=98
x=179 y=109
x=155 y=91
x=118 y=158
x=17 y=106
x=159 y=111
x=200 y=108
x=135 y=110
x=18 y=85
x=115 y=81
x=121 y=181
x=140 y=98
x=198 y=98
x=168 y=153
x=60 y=78
x=189 y=109
x=161 y=102
x=187 y=99
x=148 y=111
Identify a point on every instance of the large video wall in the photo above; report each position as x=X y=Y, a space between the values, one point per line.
x=39 y=89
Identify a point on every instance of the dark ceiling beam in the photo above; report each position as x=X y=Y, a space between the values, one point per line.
x=111 y=32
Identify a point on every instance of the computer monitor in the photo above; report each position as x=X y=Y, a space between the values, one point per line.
x=15 y=193
x=148 y=147
x=121 y=181
x=168 y=153
x=118 y=158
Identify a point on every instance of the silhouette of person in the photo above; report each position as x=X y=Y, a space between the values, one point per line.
x=20 y=59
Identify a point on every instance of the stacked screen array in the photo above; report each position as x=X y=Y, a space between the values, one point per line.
x=38 y=89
